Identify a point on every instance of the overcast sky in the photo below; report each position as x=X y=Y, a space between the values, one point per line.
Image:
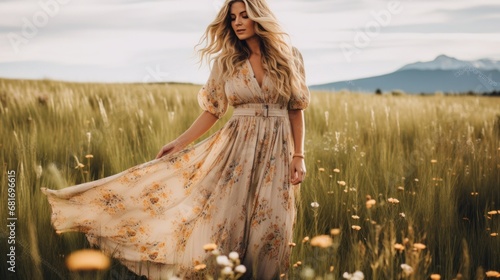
x=153 y=40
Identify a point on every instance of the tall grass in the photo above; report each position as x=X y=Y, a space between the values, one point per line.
x=431 y=165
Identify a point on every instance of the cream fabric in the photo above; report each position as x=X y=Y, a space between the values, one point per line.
x=231 y=189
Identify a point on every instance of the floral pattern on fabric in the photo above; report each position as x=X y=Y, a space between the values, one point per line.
x=231 y=189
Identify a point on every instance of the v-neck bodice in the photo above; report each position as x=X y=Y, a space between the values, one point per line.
x=252 y=73
x=242 y=88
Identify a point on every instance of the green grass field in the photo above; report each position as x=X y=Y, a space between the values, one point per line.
x=394 y=174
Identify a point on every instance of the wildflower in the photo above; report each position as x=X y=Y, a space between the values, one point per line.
x=336 y=170
x=400 y=188
x=341 y=183
x=492 y=273
x=407 y=269
x=335 y=231
x=87 y=260
x=307 y=273
x=216 y=252
x=356 y=227
x=209 y=247
x=435 y=276
x=419 y=246
x=200 y=267
x=240 y=269
x=234 y=256
x=402 y=215
x=358 y=275
x=416 y=180
x=370 y=203
x=494 y=234
x=223 y=261
x=355 y=217
x=393 y=200
x=322 y=241
x=494 y=212
x=321 y=169
x=399 y=247
x=434 y=161
x=314 y=204
x=282 y=275
x=79 y=165
x=305 y=239
x=89 y=156
x=227 y=271
x=291 y=244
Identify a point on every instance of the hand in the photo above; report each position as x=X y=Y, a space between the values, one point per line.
x=297 y=170
x=170 y=148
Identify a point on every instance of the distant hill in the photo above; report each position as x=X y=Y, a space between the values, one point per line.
x=446 y=74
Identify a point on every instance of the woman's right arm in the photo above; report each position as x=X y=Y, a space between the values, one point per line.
x=201 y=125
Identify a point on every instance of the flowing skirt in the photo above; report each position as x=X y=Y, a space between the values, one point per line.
x=231 y=189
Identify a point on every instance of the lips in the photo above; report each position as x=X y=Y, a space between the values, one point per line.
x=240 y=30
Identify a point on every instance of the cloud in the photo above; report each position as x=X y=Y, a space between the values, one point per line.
x=122 y=39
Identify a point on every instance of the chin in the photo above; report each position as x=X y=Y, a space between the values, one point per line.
x=242 y=37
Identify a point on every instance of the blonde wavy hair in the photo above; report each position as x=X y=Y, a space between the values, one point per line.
x=222 y=46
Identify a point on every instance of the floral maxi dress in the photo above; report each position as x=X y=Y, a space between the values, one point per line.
x=231 y=189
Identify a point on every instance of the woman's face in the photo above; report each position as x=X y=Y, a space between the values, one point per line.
x=243 y=26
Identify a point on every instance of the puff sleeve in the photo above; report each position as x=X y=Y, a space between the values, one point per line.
x=299 y=98
x=212 y=97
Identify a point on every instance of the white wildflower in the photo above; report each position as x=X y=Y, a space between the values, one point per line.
x=234 y=256
x=226 y=271
x=240 y=269
x=223 y=261
x=307 y=273
x=407 y=269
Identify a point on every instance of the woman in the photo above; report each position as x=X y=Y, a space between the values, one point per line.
x=234 y=188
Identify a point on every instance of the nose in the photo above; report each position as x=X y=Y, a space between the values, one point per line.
x=238 y=21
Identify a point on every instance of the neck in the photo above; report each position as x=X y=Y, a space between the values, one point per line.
x=254 y=45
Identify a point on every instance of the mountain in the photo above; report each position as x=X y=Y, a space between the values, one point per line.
x=444 y=73
x=444 y=62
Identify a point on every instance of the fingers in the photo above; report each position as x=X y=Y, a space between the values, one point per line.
x=298 y=175
x=164 y=151
x=160 y=154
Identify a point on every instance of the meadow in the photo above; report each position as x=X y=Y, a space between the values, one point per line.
x=398 y=187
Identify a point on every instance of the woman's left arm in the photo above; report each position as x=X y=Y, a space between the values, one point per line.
x=298 y=166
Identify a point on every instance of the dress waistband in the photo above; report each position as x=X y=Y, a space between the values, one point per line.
x=260 y=110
